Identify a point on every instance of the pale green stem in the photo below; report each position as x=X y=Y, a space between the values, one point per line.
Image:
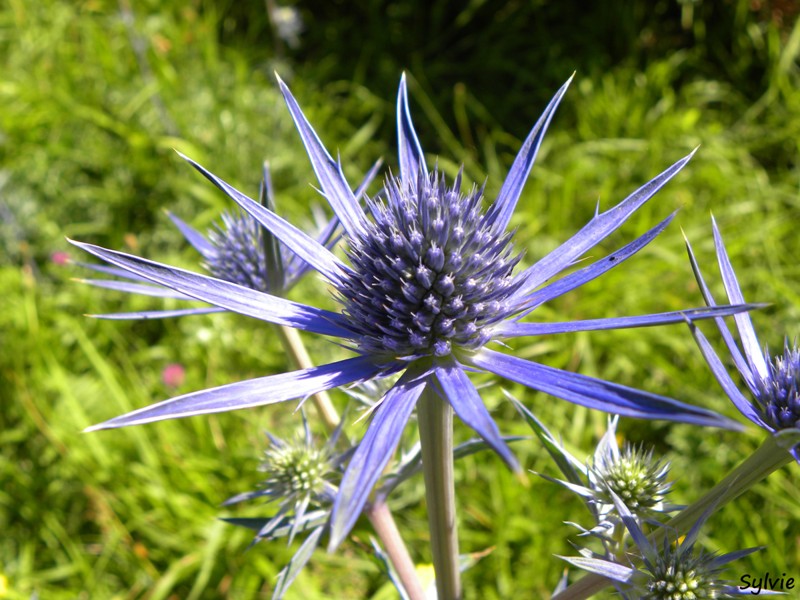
x=769 y=457
x=436 y=439
x=297 y=351
x=379 y=514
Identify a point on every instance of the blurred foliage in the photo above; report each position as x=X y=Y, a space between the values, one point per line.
x=96 y=94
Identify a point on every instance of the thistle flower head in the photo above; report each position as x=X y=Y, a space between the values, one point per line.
x=239 y=250
x=242 y=251
x=632 y=474
x=672 y=570
x=431 y=272
x=635 y=476
x=237 y=253
x=302 y=477
x=679 y=574
x=773 y=383
x=778 y=394
x=298 y=469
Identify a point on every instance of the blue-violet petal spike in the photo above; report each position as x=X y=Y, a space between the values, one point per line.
x=507 y=199
x=593 y=232
x=409 y=150
x=738 y=360
x=194 y=237
x=157 y=314
x=229 y=295
x=458 y=391
x=595 y=393
x=373 y=453
x=299 y=242
x=747 y=333
x=251 y=393
x=512 y=329
x=577 y=278
x=724 y=379
x=329 y=172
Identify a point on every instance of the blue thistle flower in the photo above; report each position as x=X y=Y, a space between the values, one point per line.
x=433 y=271
x=430 y=284
x=239 y=250
x=773 y=382
x=234 y=254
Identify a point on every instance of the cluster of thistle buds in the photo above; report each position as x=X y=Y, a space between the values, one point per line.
x=625 y=491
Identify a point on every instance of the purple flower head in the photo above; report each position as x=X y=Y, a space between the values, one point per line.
x=772 y=382
x=429 y=284
x=236 y=253
x=241 y=250
x=778 y=394
x=431 y=272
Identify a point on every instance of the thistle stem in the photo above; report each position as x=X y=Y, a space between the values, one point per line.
x=436 y=438
x=379 y=514
x=769 y=457
x=297 y=351
x=385 y=527
x=758 y=466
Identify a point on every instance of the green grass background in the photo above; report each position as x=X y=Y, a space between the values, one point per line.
x=94 y=97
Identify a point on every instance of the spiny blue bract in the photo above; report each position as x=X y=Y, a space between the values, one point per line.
x=779 y=393
x=431 y=271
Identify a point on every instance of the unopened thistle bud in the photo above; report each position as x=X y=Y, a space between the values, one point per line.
x=635 y=476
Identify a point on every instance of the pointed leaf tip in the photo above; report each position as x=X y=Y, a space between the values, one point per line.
x=506 y=201
x=410 y=154
x=329 y=172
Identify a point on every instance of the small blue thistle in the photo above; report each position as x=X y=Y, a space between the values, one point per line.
x=239 y=250
x=429 y=285
x=772 y=382
x=779 y=394
x=237 y=256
